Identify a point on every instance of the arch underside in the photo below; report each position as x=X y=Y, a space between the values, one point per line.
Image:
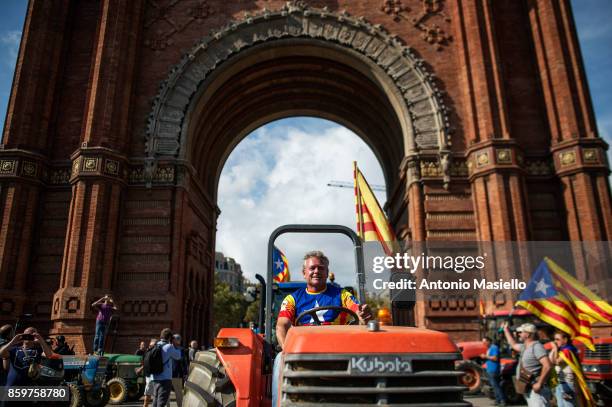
x=294 y=62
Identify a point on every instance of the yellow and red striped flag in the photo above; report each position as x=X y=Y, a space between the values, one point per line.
x=571 y=360
x=372 y=224
x=550 y=295
x=584 y=299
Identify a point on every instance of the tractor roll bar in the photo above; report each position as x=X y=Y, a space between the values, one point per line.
x=310 y=229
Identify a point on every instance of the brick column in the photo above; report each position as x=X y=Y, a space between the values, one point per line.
x=579 y=153
x=493 y=156
x=99 y=170
x=20 y=184
x=23 y=152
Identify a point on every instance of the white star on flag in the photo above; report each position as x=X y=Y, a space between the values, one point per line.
x=542 y=286
x=279 y=264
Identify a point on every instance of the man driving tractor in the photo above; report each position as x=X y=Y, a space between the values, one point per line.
x=318 y=293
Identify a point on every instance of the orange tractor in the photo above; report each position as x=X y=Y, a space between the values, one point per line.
x=331 y=364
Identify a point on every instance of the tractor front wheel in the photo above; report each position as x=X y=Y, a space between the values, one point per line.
x=472 y=376
x=76 y=395
x=118 y=389
x=207 y=383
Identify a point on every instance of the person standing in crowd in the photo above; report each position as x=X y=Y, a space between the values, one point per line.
x=5 y=337
x=105 y=307
x=180 y=368
x=493 y=370
x=533 y=358
x=148 y=390
x=61 y=347
x=565 y=392
x=193 y=349
x=162 y=382
x=24 y=352
x=141 y=349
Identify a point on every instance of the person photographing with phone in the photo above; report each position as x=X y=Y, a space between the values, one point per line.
x=105 y=307
x=24 y=353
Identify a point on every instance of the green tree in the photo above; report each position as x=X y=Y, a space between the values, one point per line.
x=228 y=307
x=252 y=311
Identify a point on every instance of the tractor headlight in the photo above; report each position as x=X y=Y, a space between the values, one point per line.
x=227 y=343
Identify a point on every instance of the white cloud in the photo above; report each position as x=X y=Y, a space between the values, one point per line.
x=278 y=175
x=604 y=125
x=9 y=41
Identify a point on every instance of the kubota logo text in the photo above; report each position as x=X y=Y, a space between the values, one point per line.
x=380 y=364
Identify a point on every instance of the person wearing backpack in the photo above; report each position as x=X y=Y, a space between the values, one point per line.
x=158 y=362
x=148 y=390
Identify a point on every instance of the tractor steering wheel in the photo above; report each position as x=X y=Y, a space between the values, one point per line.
x=313 y=313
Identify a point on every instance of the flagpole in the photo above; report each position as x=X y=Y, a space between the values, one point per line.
x=360 y=231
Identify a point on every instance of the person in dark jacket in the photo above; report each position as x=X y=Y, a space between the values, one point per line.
x=62 y=347
x=180 y=369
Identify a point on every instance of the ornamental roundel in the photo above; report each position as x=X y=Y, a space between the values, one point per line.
x=420 y=96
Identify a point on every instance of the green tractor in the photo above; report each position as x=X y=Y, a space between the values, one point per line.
x=123 y=381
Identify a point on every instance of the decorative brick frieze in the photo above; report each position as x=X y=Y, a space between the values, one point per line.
x=495 y=155
x=21 y=165
x=98 y=163
x=430 y=16
x=580 y=155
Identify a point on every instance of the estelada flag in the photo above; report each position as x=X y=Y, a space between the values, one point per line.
x=569 y=357
x=585 y=300
x=549 y=298
x=372 y=224
x=280 y=266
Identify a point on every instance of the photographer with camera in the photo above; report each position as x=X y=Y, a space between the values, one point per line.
x=105 y=307
x=24 y=353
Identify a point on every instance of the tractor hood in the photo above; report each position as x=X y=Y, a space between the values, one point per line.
x=123 y=358
x=356 y=339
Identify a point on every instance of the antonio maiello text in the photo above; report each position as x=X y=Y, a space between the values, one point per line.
x=424 y=284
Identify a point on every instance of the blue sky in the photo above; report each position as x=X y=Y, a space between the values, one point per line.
x=269 y=180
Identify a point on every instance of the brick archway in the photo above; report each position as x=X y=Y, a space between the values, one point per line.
x=325 y=64
x=95 y=200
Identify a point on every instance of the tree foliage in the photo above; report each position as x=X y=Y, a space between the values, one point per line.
x=252 y=311
x=228 y=307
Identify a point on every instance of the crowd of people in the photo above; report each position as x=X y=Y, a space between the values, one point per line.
x=540 y=374
x=21 y=355
x=175 y=367
x=165 y=362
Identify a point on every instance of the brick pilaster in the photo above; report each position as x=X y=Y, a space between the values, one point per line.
x=494 y=157
x=99 y=172
x=34 y=85
x=25 y=141
x=579 y=154
x=21 y=174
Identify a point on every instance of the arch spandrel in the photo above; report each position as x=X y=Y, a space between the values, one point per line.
x=410 y=89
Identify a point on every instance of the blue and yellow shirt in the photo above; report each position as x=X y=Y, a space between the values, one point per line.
x=303 y=300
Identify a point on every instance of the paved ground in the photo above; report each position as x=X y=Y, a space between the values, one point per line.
x=479 y=401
